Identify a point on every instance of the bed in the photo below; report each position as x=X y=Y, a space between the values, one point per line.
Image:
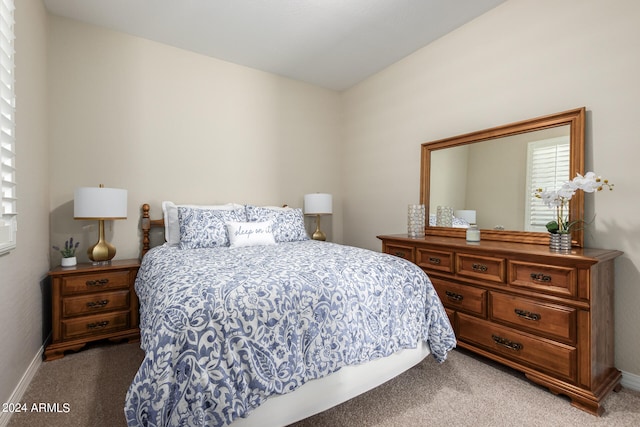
x=246 y=321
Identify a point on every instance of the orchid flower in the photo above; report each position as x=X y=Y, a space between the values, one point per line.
x=559 y=199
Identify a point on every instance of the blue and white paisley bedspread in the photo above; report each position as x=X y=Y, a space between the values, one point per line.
x=225 y=328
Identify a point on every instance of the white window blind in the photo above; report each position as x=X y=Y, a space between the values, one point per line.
x=547 y=168
x=8 y=208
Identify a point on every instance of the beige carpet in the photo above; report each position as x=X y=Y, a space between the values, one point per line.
x=464 y=391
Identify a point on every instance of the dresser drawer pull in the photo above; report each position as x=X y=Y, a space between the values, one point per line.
x=434 y=260
x=400 y=254
x=527 y=315
x=540 y=277
x=453 y=296
x=98 y=304
x=479 y=267
x=97 y=325
x=99 y=282
x=507 y=343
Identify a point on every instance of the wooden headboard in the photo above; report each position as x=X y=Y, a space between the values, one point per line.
x=146 y=223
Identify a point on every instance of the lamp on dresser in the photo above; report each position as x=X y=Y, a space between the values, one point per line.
x=318 y=204
x=100 y=203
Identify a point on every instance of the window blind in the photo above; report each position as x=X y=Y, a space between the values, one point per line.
x=8 y=208
x=547 y=168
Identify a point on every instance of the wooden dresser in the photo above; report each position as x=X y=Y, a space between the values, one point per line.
x=546 y=314
x=90 y=303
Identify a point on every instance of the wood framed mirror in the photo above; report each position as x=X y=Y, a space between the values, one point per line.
x=490 y=171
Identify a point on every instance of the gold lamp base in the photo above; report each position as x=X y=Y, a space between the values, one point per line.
x=318 y=234
x=103 y=251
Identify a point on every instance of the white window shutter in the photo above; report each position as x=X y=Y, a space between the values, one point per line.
x=548 y=169
x=8 y=206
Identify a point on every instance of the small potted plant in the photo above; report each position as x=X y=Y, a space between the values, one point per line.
x=68 y=253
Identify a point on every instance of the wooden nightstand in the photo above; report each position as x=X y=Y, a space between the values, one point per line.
x=90 y=303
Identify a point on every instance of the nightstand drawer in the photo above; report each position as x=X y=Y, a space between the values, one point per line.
x=463 y=298
x=95 y=325
x=553 y=320
x=545 y=355
x=81 y=283
x=544 y=278
x=435 y=260
x=95 y=303
x=480 y=267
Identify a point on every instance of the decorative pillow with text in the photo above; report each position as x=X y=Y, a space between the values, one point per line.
x=250 y=233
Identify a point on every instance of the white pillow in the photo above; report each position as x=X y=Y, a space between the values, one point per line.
x=171 y=222
x=250 y=233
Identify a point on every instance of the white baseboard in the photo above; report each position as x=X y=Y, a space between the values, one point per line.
x=630 y=380
x=20 y=389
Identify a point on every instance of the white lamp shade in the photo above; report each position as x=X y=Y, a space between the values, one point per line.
x=318 y=204
x=467 y=215
x=100 y=203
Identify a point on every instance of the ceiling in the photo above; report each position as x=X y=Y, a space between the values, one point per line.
x=330 y=43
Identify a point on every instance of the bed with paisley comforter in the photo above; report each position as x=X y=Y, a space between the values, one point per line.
x=227 y=327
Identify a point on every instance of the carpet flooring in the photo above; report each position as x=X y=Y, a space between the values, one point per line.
x=88 y=389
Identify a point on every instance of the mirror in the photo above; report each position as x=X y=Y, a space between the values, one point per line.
x=490 y=172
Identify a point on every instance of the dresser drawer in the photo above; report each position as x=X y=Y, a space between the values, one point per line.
x=485 y=268
x=406 y=252
x=95 y=282
x=435 y=260
x=544 y=278
x=95 y=303
x=555 y=321
x=95 y=325
x=545 y=355
x=459 y=297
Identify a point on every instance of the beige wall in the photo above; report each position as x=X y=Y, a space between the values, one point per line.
x=168 y=124
x=22 y=270
x=524 y=59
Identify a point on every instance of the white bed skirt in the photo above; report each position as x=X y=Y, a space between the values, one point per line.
x=321 y=394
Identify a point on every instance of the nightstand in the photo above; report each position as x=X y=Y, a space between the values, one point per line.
x=90 y=303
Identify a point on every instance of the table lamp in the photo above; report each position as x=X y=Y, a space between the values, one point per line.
x=99 y=203
x=318 y=204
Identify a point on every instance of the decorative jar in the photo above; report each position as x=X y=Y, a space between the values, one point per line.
x=415 y=220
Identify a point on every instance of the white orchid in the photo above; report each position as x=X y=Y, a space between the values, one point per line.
x=559 y=199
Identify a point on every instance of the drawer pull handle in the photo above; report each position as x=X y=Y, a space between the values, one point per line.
x=98 y=304
x=99 y=282
x=507 y=343
x=527 y=315
x=453 y=296
x=434 y=260
x=479 y=267
x=540 y=277
x=97 y=325
x=399 y=254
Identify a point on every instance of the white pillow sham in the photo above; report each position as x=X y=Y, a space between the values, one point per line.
x=250 y=233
